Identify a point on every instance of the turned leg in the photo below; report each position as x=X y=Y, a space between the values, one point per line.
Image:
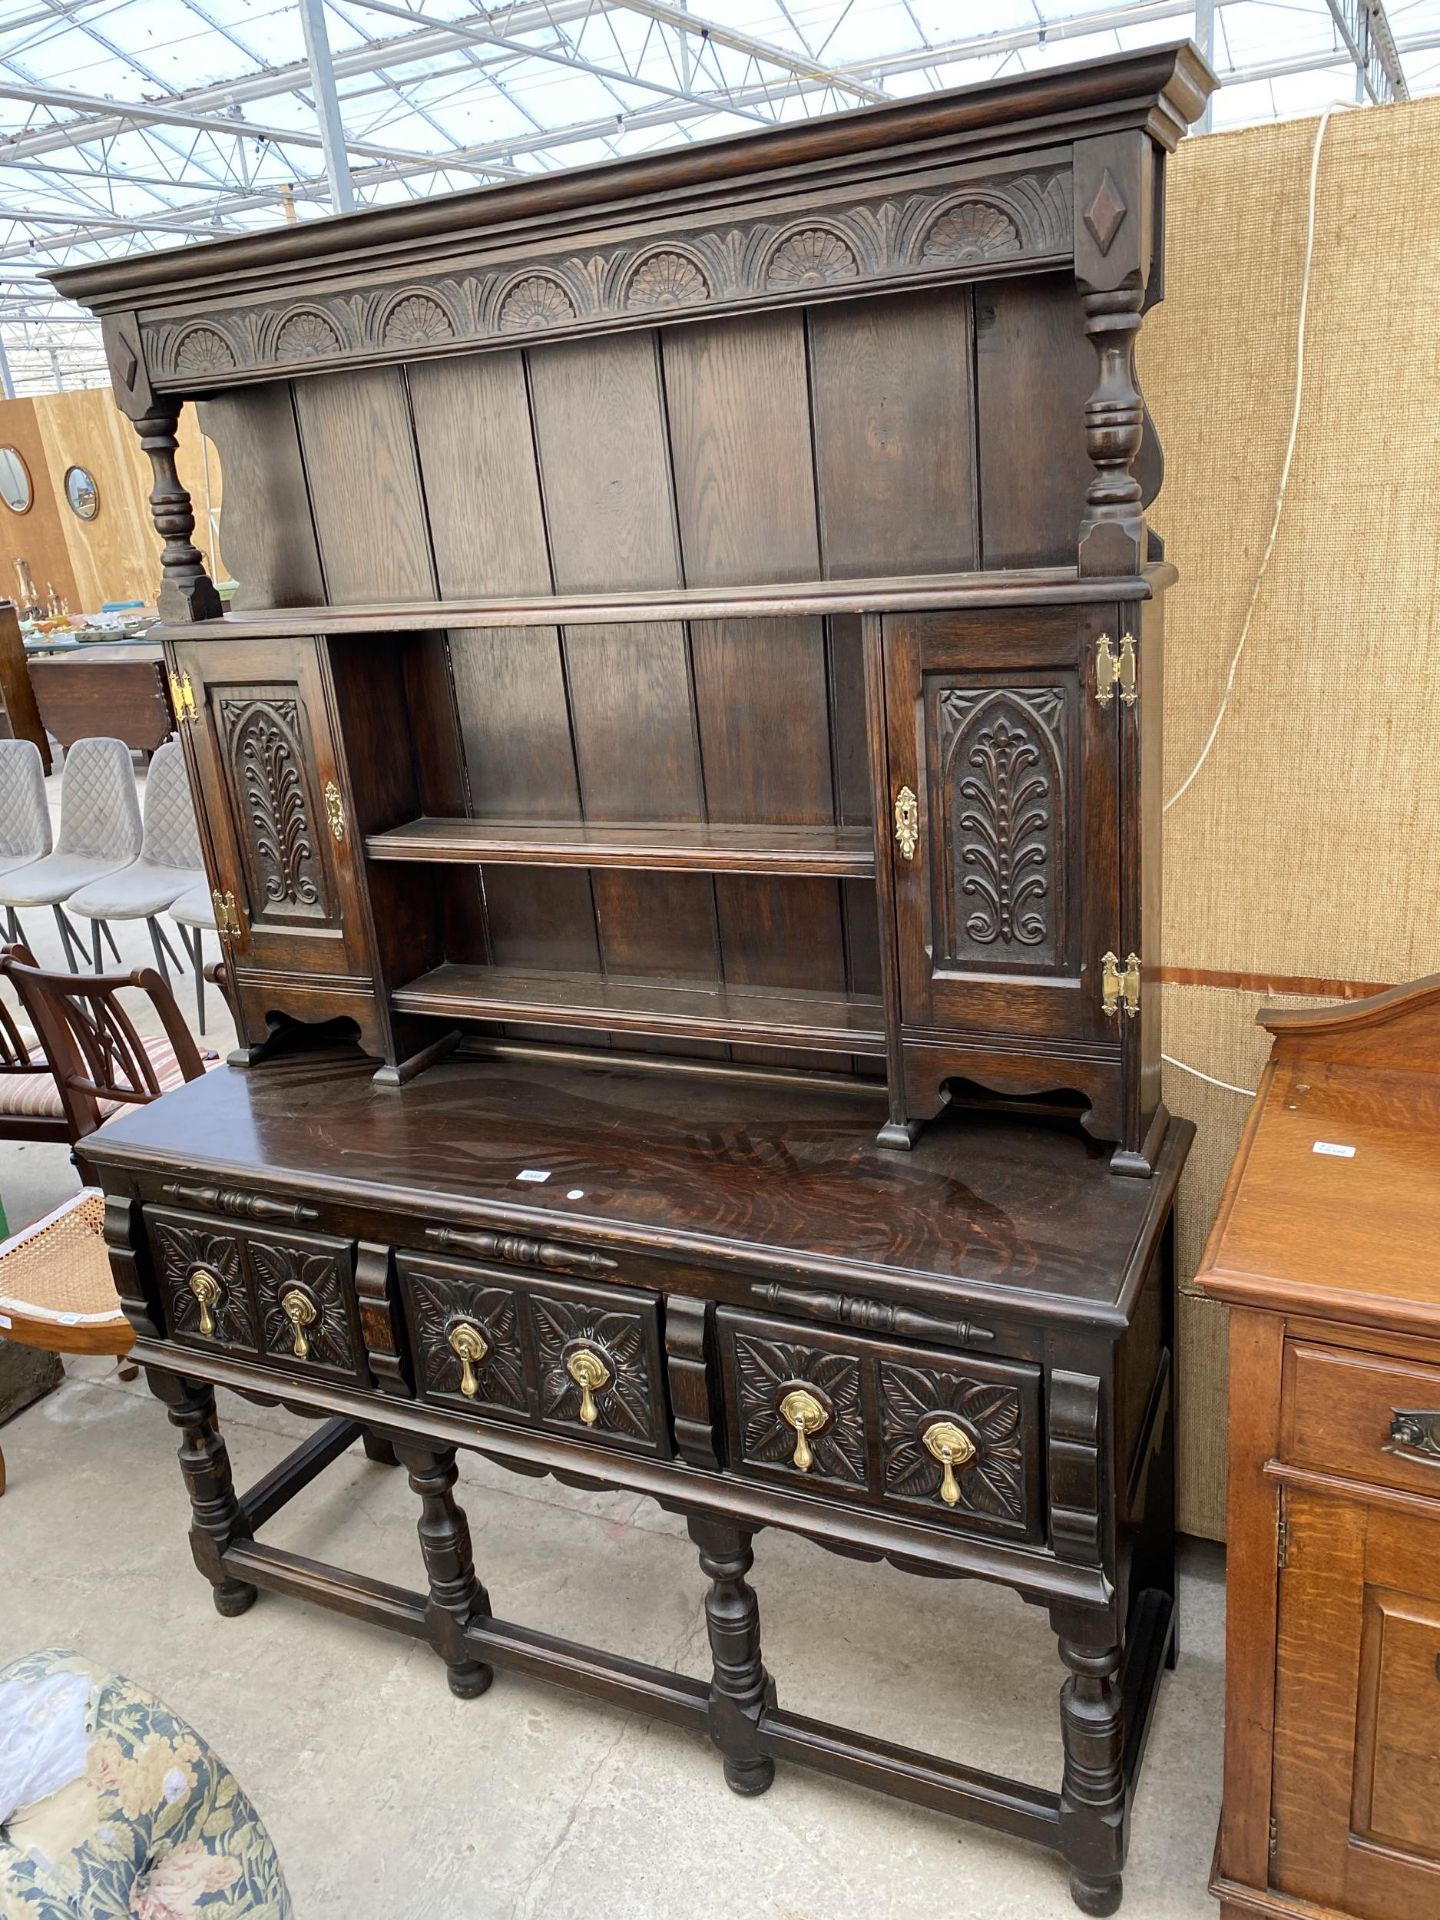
x=455 y=1591
x=379 y=1449
x=216 y=1519
x=740 y=1688
x=1093 y=1817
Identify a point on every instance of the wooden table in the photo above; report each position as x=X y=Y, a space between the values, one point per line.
x=723 y=1295
x=1325 y=1247
x=114 y=689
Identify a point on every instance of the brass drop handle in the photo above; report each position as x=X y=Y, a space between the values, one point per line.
x=803 y=1412
x=206 y=1288
x=470 y=1347
x=590 y=1374
x=299 y=1310
x=952 y=1447
x=907 y=822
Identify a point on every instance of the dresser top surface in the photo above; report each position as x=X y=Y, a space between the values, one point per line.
x=1333 y=1205
x=709 y=1168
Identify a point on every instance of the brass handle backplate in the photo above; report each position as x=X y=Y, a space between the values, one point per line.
x=1415 y=1435
x=335 y=811
x=803 y=1412
x=206 y=1288
x=907 y=822
x=470 y=1347
x=590 y=1374
x=952 y=1447
x=299 y=1309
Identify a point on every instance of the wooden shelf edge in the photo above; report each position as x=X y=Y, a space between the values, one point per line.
x=846 y=853
x=940 y=592
x=814 y=1023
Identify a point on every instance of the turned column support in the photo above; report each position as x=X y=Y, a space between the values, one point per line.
x=1094 y=1818
x=1115 y=184
x=740 y=1688
x=187 y=593
x=455 y=1590
x=216 y=1519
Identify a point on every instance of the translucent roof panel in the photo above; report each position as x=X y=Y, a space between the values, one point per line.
x=127 y=125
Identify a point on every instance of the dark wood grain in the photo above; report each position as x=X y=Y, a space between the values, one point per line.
x=1033 y=464
x=892 y=394
x=270 y=550
x=477 y=460
x=117 y=692
x=365 y=488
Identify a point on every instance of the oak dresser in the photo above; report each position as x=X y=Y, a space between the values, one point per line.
x=1325 y=1247
x=680 y=788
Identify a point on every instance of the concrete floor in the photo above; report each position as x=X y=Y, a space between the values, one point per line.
x=386 y=1797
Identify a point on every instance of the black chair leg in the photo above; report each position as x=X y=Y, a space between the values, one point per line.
x=104 y=926
x=197 y=960
x=98 y=952
x=165 y=942
x=155 y=941
x=67 y=938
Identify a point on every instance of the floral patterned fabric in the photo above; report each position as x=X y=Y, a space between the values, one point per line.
x=112 y=1809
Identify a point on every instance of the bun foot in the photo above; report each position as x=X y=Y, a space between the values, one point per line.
x=234 y=1597
x=1096 y=1896
x=750 y=1777
x=469 y=1681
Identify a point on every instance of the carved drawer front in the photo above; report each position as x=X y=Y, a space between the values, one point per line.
x=953 y=1439
x=203 y=1280
x=465 y=1334
x=305 y=1302
x=286 y=1297
x=579 y=1358
x=1363 y=1416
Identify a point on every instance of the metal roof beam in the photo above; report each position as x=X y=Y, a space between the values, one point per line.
x=763 y=51
x=1365 y=29
x=327 y=106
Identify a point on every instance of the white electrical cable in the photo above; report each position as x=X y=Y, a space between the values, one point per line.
x=1208 y=1078
x=1185 y=786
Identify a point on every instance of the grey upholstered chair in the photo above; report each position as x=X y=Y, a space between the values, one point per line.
x=24 y=817
x=169 y=863
x=100 y=830
x=194 y=913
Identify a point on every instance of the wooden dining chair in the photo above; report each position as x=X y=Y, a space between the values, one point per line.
x=99 y=1061
x=56 y=1292
x=55 y=1286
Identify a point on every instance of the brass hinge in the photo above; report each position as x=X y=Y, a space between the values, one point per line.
x=1274 y=1836
x=1282 y=1536
x=1120 y=989
x=227 y=915
x=335 y=811
x=182 y=698
x=1115 y=670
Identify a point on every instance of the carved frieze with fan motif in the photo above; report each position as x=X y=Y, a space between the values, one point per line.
x=950 y=228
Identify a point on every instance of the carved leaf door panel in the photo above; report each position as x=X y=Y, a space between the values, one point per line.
x=1004 y=770
x=274 y=803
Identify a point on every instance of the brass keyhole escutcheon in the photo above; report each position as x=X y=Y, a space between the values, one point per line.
x=206 y=1288
x=590 y=1374
x=952 y=1447
x=907 y=823
x=299 y=1310
x=803 y=1412
x=470 y=1347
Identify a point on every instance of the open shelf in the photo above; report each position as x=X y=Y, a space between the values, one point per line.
x=780 y=1017
x=1007 y=587
x=662 y=847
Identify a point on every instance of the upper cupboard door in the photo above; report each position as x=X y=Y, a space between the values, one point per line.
x=272 y=792
x=1004 y=798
